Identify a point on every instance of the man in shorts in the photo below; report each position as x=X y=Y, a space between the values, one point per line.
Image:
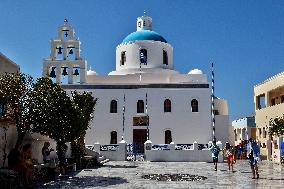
x=253 y=156
x=215 y=152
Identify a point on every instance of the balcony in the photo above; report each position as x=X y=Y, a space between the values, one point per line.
x=263 y=116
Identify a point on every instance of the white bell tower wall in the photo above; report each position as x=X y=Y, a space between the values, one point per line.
x=65 y=58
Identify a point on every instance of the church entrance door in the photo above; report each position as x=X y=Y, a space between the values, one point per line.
x=139 y=138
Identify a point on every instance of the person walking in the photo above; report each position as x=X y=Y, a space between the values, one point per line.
x=215 y=152
x=61 y=152
x=45 y=151
x=253 y=151
x=229 y=154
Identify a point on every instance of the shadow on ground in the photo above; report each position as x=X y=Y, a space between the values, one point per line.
x=121 y=166
x=83 y=182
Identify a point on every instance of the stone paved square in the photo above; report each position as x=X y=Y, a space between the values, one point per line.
x=128 y=175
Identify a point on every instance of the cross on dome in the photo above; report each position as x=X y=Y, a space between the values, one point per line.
x=65 y=21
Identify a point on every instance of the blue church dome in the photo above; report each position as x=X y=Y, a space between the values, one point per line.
x=144 y=35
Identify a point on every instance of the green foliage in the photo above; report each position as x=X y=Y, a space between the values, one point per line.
x=277 y=127
x=57 y=115
x=46 y=107
x=15 y=92
x=85 y=102
x=53 y=111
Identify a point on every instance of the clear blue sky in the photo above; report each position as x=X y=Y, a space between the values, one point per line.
x=244 y=38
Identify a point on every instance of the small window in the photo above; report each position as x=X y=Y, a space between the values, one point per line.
x=113 y=106
x=140 y=106
x=167 y=106
x=144 y=23
x=122 y=58
x=194 y=105
x=259 y=132
x=139 y=24
x=264 y=132
x=282 y=99
x=2 y=109
x=165 y=57
x=216 y=112
x=168 y=137
x=143 y=56
x=273 y=102
x=260 y=102
x=113 y=137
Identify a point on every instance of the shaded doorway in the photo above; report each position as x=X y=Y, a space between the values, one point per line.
x=139 y=138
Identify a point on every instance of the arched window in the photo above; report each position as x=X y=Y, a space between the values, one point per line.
x=165 y=57
x=167 y=106
x=140 y=106
x=143 y=56
x=168 y=137
x=194 y=105
x=122 y=58
x=113 y=137
x=113 y=106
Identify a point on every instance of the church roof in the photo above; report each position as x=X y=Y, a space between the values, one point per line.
x=144 y=35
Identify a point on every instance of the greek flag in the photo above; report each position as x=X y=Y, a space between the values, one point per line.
x=143 y=58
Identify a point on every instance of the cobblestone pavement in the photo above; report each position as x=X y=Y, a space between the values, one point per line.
x=128 y=175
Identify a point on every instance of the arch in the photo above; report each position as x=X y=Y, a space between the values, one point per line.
x=167 y=105
x=194 y=105
x=165 y=57
x=123 y=58
x=143 y=56
x=140 y=106
x=113 y=106
x=168 y=137
x=113 y=137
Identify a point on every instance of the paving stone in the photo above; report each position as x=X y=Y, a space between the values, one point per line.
x=128 y=175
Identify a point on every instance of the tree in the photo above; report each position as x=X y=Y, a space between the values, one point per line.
x=59 y=116
x=85 y=102
x=277 y=126
x=54 y=113
x=15 y=93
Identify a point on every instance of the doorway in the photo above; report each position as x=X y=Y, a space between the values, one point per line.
x=139 y=138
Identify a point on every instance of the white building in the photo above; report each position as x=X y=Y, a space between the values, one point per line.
x=244 y=129
x=269 y=104
x=144 y=98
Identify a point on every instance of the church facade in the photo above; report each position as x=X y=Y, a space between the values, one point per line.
x=144 y=98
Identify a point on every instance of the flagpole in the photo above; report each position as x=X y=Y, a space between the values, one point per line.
x=212 y=104
x=147 y=117
x=123 y=117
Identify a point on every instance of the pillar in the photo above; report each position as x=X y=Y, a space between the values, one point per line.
x=58 y=74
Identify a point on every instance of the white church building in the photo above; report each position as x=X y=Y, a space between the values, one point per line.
x=144 y=98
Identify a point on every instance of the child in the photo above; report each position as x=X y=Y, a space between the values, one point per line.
x=228 y=152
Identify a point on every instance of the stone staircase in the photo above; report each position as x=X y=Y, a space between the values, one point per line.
x=100 y=158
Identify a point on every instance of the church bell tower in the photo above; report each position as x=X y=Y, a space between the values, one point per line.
x=65 y=59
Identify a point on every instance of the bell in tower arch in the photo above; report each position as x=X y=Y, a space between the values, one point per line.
x=76 y=72
x=52 y=73
x=71 y=51
x=59 y=50
x=64 y=72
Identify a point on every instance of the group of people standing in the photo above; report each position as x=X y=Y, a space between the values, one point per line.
x=252 y=153
x=20 y=160
x=61 y=154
